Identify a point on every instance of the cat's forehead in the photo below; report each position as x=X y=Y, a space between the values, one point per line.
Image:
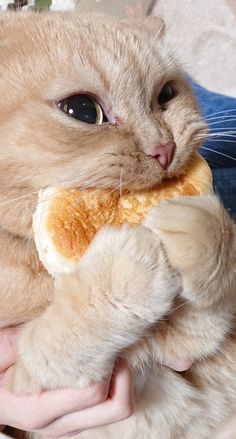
x=96 y=50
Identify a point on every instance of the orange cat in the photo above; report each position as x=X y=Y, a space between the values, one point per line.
x=133 y=122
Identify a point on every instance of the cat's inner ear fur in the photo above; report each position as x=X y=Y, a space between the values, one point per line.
x=153 y=26
x=7 y=20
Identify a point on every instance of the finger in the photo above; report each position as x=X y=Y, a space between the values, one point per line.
x=117 y=407
x=33 y=412
x=176 y=363
x=8 y=338
x=121 y=386
x=227 y=430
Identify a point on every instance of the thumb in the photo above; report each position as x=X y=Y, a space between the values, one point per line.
x=8 y=338
x=177 y=363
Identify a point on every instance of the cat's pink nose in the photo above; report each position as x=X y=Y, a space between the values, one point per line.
x=164 y=154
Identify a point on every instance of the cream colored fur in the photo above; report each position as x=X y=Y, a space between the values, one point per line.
x=157 y=293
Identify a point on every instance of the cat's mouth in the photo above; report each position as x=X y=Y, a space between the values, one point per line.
x=137 y=171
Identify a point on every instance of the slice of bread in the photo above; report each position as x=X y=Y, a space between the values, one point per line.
x=66 y=220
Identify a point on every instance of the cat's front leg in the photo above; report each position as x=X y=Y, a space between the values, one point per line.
x=200 y=241
x=123 y=285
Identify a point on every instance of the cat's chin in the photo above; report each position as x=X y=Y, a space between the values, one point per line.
x=150 y=180
x=143 y=185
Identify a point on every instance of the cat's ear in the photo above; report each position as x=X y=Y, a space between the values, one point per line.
x=153 y=26
x=3 y=29
x=2 y=21
x=6 y=18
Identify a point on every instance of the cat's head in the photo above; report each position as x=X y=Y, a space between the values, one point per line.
x=90 y=101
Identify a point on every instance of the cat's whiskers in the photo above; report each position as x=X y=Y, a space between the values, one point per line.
x=121 y=180
x=221 y=120
x=213 y=140
x=67 y=184
x=82 y=189
x=214 y=135
x=217 y=129
x=118 y=188
x=21 y=197
x=185 y=302
x=215 y=132
x=159 y=32
x=52 y=196
x=63 y=184
x=218 y=152
x=209 y=116
x=223 y=134
x=28 y=194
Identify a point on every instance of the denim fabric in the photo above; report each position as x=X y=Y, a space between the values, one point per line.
x=222 y=145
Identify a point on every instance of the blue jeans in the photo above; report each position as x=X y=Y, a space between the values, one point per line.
x=221 y=149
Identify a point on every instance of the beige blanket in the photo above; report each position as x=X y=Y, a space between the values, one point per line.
x=204 y=34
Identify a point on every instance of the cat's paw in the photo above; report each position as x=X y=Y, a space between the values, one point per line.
x=127 y=268
x=197 y=234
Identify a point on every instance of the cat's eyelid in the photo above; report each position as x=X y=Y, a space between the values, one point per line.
x=171 y=77
x=63 y=88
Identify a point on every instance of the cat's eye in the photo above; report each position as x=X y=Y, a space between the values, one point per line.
x=84 y=108
x=166 y=94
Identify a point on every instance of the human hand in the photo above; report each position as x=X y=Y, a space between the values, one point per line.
x=227 y=430
x=64 y=412
x=8 y=338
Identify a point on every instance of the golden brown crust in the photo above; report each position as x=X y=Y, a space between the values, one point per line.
x=74 y=216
